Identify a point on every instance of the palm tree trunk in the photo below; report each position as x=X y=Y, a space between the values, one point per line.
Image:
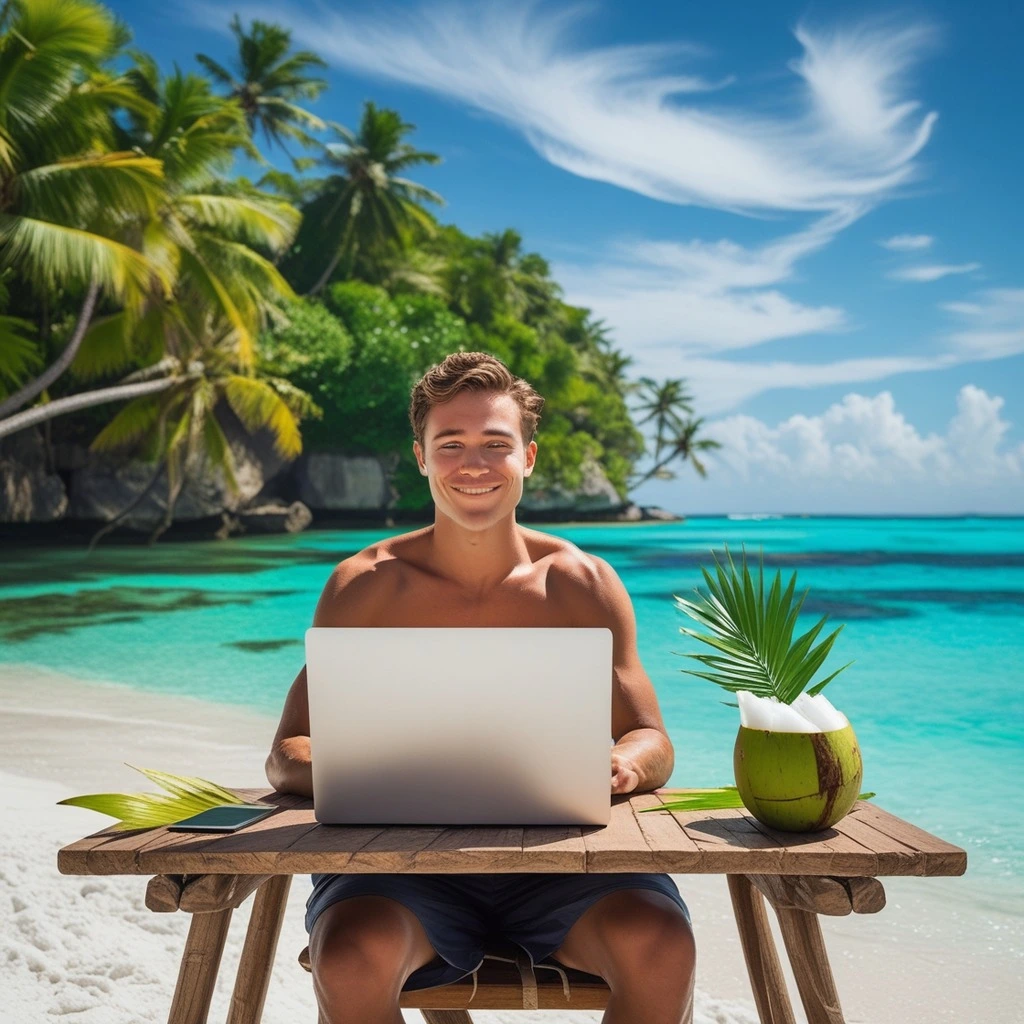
x=343 y=247
x=658 y=466
x=135 y=502
x=172 y=499
x=73 y=403
x=326 y=275
x=44 y=380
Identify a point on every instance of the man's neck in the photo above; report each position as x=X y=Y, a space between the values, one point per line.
x=477 y=560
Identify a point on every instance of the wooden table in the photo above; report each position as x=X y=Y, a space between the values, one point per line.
x=831 y=872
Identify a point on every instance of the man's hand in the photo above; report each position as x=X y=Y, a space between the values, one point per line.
x=625 y=778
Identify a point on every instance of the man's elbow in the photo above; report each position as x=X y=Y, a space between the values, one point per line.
x=288 y=771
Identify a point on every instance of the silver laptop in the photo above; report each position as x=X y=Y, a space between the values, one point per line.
x=466 y=726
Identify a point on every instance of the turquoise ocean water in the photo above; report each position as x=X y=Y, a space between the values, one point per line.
x=933 y=611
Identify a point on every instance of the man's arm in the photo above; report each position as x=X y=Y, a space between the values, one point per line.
x=289 y=768
x=643 y=757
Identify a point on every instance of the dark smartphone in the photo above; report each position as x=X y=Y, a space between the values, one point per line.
x=228 y=818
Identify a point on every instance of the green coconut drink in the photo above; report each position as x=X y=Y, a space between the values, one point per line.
x=796 y=759
x=790 y=773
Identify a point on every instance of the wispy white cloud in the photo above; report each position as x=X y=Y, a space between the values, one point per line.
x=989 y=326
x=993 y=325
x=723 y=384
x=637 y=116
x=907 y=243
x=931 y=272
x=868 y=440
x=703 y=297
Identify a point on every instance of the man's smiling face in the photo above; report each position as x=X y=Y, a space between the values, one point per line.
x=475 y=458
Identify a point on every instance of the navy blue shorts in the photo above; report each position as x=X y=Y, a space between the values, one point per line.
x=460 y=912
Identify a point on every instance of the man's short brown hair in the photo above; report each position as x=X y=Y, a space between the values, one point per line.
x=472 y=371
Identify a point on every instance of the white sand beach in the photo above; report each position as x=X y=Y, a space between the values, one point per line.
x=87 y=950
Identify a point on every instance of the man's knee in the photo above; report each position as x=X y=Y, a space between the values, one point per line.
x=366 y=944
x=629 y=935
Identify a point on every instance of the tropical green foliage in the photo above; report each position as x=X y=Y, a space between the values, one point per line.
x=183 y=797
x=752 y=633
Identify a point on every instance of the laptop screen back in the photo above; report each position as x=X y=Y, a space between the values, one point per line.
x=460 y=726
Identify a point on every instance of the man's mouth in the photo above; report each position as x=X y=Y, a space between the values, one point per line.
x=475 y=490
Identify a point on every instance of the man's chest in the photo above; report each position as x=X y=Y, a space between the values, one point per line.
x=524 y=602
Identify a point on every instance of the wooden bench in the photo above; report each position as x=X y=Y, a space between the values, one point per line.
x=800 y=876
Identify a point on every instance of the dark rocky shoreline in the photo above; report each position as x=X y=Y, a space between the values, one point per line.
x=63 y=495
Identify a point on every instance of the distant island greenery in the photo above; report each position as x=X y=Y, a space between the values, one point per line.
x=147 y=291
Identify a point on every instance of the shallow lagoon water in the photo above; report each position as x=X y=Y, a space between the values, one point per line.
x=932 y=611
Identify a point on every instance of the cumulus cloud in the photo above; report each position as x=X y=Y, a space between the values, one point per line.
x=907 y=243
x=932 y=272
x=868 y=440
x=638 y=116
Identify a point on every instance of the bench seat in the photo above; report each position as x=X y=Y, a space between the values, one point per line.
x=506 y=980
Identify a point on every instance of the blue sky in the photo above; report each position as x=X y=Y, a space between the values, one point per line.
x=812 y=212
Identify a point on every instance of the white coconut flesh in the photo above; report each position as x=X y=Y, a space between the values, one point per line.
x=805 y=714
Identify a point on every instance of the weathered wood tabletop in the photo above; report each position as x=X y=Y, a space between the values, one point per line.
x=868 y=842
x=832 y=872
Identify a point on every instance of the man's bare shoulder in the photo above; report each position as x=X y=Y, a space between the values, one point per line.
x=575 y=576
x=363 y=582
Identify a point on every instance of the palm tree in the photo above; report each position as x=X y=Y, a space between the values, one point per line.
x=202 y=239
x=684 y=445
x=270 y=82
x=364 y=204
x=524 y=280
x=65 y=193
x=668 y=404
x=677 y=433
x=223 y=291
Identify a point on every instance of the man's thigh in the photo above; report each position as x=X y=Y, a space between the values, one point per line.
x=539 y=911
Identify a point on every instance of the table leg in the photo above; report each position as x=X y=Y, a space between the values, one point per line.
x=257 y=960
x=766 y=978
x=809 y=960
x=199 y=964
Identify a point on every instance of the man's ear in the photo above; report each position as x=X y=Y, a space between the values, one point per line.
x=418 y=452
x=531 y=457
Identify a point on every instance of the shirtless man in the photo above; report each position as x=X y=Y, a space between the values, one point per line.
x=373 y=935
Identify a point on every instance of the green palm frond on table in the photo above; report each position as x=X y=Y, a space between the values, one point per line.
x=183 y=797
x=752 y=633
x=708 y=800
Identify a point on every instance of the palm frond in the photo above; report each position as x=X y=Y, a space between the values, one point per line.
x=258 y=405
x=54 y=255
x=19 y=355
x=258 y=220
x=108 y=184
x=707 y=799
x=752 y=633
x=183 y=797
x=132 y=423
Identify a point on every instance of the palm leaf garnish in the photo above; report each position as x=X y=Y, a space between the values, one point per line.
x=710 y=800
x=752 y=634
x=184 y=797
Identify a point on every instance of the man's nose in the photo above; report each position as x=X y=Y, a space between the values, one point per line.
x=473 y=464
